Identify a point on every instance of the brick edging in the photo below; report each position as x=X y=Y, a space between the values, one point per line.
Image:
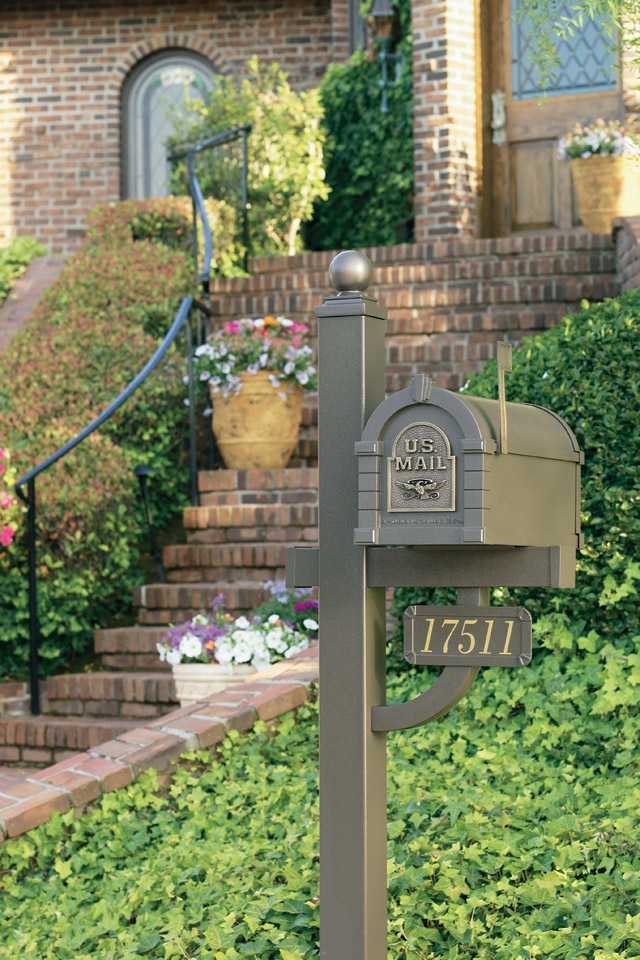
x=79 y=780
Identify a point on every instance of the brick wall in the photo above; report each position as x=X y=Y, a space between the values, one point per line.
x=62 y=65
x=626 y=234
x=445 y=118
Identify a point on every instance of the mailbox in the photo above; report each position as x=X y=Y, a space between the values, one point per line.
x=434 y=470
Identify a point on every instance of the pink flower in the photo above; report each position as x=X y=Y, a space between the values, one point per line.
x=5 y=500
x=3 y=453
x=298 y=328
x=6 y=536
x=232 y=327
x=1 y=467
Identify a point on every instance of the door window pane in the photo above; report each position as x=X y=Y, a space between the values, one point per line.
x=587 y=62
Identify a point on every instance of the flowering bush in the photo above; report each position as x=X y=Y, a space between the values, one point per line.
x=600 y=138
x=259 y=640
x=9 y=508
x=274 y=344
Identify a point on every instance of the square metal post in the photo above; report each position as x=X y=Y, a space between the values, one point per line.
x=353 y=850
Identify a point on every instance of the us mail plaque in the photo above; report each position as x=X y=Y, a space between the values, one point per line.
x=421 y=471
x=468 y=636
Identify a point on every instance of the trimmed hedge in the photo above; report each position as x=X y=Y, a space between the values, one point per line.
x=15 y=259
x=89 y=336
x=587 y=369
x=513 y=834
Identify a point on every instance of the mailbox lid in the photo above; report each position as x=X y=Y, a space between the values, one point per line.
x=533 y=431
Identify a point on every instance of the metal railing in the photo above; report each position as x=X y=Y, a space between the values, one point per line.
x=29 y=479
x=216 y=167
x=236 y=180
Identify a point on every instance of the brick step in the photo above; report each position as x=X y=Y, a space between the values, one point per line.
x=45 y=740
x=252 y=485
x=519 y=245
x=14 y=698
x=165 y=603
x=130 y=648
x=251 y=515
x=190 y=563
x=433 y=272
x=109 y=694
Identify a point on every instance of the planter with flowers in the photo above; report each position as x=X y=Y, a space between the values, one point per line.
x=256 y=371
x=605 y=169
x=213 y=651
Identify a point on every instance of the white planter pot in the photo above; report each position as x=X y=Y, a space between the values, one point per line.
x=197 y=681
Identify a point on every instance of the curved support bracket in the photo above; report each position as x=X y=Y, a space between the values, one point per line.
x=448 y=689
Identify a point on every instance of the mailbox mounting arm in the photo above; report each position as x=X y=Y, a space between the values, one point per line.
x=451 y=686
x=448 y=689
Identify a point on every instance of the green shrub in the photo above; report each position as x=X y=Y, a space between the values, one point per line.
x=369 y=154
x=587 y=369
x=169 y=221
x=285 y=165
x=15 y=259
x=513 y=833
x=89 y=336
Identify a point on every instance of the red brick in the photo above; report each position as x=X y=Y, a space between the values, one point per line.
x=34 y=811
x=113 y=775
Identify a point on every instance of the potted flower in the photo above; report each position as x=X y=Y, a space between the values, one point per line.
x=256 y=371
x=605 y=169
x=215 y=650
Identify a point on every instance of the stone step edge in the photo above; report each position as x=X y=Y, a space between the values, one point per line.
x=79 y=780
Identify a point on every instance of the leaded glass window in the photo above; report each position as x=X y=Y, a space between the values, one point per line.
x=152 y=92
x=587 y=61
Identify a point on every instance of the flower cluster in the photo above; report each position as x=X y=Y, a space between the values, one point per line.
x=600 y=138
x=274 y=344
x=8 y=506
x=258 y=640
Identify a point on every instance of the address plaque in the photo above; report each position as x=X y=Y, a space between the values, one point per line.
x=468 y=636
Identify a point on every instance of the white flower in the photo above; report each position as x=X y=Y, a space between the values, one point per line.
x=264 y=360
x=302 y=378
x=284 y=322
x=282 y=395
x=258 y=324
x=162 y=651
x=205 y=375
x=310 y=624
x=190 y=645
x=241 y=623
x=289 y=368
x=274 y=618
x=273 y=380
x=173 y=657
x=253 y=368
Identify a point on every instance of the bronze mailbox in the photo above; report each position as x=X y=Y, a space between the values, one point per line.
x=434 y=471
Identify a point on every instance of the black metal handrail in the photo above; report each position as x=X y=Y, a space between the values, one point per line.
x=236 y=184
x=184 y=313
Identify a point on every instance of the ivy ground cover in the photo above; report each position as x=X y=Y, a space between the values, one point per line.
x=513 y=834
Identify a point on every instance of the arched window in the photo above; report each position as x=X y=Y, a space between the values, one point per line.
x=152 y=88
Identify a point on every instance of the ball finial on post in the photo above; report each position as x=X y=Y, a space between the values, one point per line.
x=350 y=272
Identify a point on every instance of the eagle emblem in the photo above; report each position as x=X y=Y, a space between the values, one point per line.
x=422 y=488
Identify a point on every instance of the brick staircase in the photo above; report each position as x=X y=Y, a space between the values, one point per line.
x=449 y=302
x=234 y=543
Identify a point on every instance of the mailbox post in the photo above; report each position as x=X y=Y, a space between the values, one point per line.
x=418 y=489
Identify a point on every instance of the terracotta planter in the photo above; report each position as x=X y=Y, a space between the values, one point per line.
x=258 y=428
x=606 y=187
x=197 y=681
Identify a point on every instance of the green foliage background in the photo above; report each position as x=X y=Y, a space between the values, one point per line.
x=90 y=334
x=285 y=151
x=14 y=260
x=513 y=834
x=369 y=154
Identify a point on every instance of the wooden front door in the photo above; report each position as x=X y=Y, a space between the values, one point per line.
x=525 y=187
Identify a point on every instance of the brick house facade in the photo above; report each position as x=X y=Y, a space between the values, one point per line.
x=66 y=67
